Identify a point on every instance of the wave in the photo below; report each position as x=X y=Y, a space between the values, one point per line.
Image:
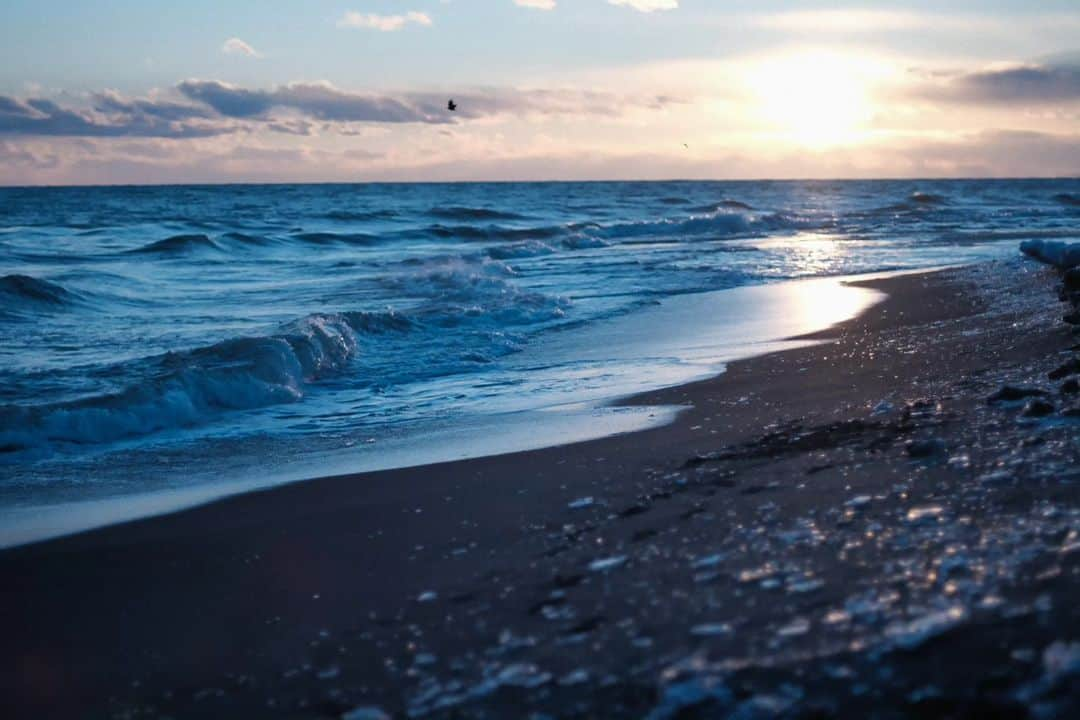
x=925 y=198
x=583 y=242
x=330 y=238
x=917 y=204
x=1069 y=199
x=20 y=293
x=723 y=205
x=513 y=251
x=960 y=237
x=178 y=245
x=246 y=239
x=482 y=293
x=471 y=213
x=722 y=224
x=187 y=388
x=727 y=218
x=580 y=236
x=494 y=232
x=360 y=216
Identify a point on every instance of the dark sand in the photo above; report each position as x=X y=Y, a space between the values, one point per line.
x=780 y=550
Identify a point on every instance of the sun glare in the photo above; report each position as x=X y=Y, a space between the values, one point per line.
x=816 y=100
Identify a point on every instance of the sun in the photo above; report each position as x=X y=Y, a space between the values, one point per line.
x=813 y=99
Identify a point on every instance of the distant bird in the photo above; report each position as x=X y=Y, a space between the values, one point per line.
x=451 y=106
x=686 y=146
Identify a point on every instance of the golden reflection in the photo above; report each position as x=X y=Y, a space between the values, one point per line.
x=820 y=303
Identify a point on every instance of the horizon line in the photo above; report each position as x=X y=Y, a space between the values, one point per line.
x=319 y=183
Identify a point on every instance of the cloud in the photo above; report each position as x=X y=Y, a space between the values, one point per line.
x=97 y=162
x=112 y=102
x=111 y=116
x=316 y=100
x=229 y=100
x=303 y=128
x=647 y=6
x=205 y=108
x=236 y=46
x=382 y=23
x=322 y=101
x=995 y=153
x=26 y=158
x=425 y=153
x=536 y=4
x=1016 y=85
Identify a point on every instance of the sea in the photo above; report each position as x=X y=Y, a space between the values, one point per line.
x=161 y=346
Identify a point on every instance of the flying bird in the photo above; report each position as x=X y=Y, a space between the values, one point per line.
x=451 y=106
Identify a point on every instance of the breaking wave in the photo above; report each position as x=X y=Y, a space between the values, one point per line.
x=457 y=291
x=187 y=388
x=720 y=224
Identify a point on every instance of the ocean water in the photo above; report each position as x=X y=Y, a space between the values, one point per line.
x=163 y=338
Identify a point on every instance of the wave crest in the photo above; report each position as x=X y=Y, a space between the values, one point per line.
x=23 y=289
x=187 y=388
x=178 y=244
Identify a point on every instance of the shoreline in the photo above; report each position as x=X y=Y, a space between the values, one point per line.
x=778 y=321
x=694 y=564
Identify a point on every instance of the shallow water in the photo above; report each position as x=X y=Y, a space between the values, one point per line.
x=158 y=338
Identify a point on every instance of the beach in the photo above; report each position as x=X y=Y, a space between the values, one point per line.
x=610 y=360
x=867 y=526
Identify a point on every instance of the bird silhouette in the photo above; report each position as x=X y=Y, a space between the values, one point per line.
x=451 y=106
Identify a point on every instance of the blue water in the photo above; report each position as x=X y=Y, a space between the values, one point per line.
x=153 y=335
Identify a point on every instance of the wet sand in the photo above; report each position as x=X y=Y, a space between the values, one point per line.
x=849 y=529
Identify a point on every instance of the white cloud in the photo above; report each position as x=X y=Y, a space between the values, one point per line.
x=536 y=4
x=648 y=6
x=236 y=46
x=382 y=23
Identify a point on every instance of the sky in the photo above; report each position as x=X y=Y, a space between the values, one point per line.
x=142 y=91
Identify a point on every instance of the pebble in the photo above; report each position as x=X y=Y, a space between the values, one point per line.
x=607 y=563
x=798 y=626
x=925 y=513
x=711 y=629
